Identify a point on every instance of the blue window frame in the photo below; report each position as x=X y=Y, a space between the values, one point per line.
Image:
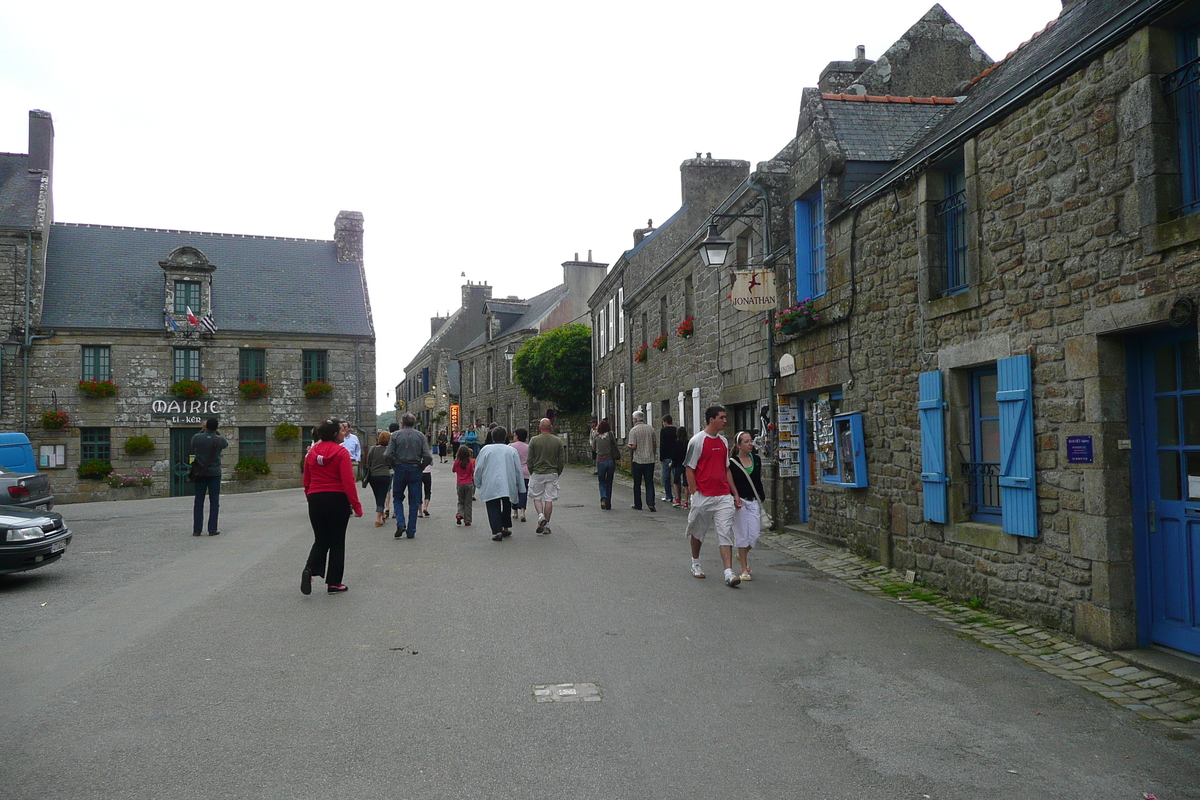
x=982 y=472
x=810 y=247
x=952 y=222
x=1180 y=88
x=850 y=455
x=97 y=363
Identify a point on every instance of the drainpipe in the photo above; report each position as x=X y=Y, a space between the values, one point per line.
x=771 y=399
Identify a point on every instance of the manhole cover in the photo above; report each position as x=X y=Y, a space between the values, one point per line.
x=565 y=692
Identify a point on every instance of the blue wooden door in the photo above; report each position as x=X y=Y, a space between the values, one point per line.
x=1170 y=457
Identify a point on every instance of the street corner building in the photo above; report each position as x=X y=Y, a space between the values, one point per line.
x=982 y=366
x=119 y=342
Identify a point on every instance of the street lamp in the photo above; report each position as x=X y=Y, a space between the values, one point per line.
x=714 y=250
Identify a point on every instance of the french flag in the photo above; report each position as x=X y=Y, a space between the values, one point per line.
x=191 y=317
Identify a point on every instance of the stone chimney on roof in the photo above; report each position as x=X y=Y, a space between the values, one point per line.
x=706 y=181
x=840 y=75
x=348 y=234
x=435 y=323
x=475 y=296
x=41 y=152
x=582 y=278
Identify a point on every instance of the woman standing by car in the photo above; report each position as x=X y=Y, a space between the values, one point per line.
x=331 y=492
x=379 y=475
x=606 y=462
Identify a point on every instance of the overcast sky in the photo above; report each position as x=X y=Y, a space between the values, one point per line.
x=495 y=139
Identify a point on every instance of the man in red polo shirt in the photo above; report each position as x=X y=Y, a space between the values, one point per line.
x=714 y=496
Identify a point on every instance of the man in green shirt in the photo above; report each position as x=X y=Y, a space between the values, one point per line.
x=547 y=457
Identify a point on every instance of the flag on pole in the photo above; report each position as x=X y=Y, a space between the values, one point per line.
x=171 y=326
x=191 y=317
x=207 y=322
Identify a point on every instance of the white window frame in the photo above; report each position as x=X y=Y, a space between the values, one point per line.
x=621 y=314
x=602 y=329
x=621 y=408
x=612 y=323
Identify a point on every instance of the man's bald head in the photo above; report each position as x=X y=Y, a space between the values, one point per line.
x=544 y=426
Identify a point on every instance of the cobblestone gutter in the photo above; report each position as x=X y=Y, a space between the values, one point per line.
x=1139 y=690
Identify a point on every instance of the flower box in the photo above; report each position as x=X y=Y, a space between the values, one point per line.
x=686 y=328
x=660 y=344
x=98 y=388
x=188 y=389
x=286 y=432
x=120 y=480
x=317 y=389
x=253 y=390
x=95 y=469
x=55 y=420
x=639 y=355
x=139 y=445
x=796 y=319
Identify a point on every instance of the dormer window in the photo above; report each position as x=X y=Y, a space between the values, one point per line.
x=188 y=286
x=187 y=296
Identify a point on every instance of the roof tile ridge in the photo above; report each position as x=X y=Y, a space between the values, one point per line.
x=1019 y=47
x=888 y=98
x=100 y=226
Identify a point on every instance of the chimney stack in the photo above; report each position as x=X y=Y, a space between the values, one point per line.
x=348 y=234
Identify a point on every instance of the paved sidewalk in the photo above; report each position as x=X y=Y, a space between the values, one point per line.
x=1145 y=692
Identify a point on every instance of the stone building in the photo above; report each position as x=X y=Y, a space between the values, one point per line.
x=138 y=310
x=650 y=292
x=431 y=385
x=1002 y=392
x=485 y=364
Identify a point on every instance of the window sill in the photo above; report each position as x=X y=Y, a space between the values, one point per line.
x=983 y=536
x=955 y=303
x=1176 y=232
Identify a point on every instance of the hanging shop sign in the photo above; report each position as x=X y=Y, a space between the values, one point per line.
x=752 y=289
x=454 y=412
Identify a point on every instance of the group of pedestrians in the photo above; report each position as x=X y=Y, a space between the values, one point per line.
x=722 y=486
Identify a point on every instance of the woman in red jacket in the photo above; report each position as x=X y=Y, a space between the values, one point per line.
x=331 y=491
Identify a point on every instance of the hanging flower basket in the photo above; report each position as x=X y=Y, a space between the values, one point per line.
x=98 y=388
x=660 y=344
x=253 y=390
x=794 y=320
x=188 y=389
x=286 y=432
x=685 y=328
x=316 y=389
x=639 y=355
x=55 y=420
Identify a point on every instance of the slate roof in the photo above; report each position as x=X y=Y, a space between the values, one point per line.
x=19 y=192
x=539 y=307
x=882 y=128
x=1061 y=48
x=109 y=277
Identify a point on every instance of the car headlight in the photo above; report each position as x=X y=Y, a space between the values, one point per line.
x=24 y=534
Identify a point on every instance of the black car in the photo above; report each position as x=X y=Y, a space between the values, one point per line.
x=30 y=539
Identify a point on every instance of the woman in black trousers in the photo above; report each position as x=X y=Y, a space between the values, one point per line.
x=331 y=492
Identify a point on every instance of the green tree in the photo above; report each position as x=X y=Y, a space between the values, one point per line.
x=557 y=366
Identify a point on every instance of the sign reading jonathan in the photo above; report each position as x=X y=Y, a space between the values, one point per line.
x=752 y=289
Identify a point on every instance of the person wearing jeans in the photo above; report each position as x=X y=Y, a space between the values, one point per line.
x=207 y=446
x=666 y=449
x=643 y=444
x=606 y=462
x=408 y=452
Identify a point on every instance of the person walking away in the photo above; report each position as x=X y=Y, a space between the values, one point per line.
x=387 y=506
x=643 y=445
x=666 y=449
x=521 y=445
x=678 y=471
x=379 y=475
x=206 y=463
x=498 y=478
x=606 y=451
x=408 y=453
x=332 y=496
x=443 y=441
x=746 y=469
x=426 y=488
x=714 y=497
x=547 y=457
x=464 y=476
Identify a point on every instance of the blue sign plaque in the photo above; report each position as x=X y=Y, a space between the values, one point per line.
x=1079 y=450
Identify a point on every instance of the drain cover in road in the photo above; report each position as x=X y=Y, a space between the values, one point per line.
x=565 y=692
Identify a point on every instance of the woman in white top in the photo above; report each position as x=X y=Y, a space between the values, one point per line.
x=499 y=482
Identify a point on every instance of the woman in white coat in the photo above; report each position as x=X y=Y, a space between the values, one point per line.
x=498 y=482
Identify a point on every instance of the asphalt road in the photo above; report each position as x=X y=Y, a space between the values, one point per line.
x=151 y=664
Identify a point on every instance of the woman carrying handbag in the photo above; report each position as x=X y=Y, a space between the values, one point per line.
x=377 y=474
x=746 y=468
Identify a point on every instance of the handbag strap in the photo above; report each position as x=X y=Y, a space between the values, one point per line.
x=753 y=488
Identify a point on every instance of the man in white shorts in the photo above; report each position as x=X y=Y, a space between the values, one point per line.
x=546 y=459
x=714 y=495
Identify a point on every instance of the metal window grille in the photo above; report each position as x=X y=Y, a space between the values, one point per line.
x=1182 y=91
x=983 y=488
x=951 y=214
x=97 y=363
x=94 y=444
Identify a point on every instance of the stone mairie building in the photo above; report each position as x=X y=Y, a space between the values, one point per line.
x=110 y=304
x=1001 y=390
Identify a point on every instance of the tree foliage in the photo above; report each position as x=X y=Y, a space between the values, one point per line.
x=557 y=366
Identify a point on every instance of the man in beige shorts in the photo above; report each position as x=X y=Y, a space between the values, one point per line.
x=546 y=459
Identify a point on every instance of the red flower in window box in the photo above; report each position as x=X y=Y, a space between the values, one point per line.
x=660 y=344
x=188 y=389
x=98 y=388
x=316 y=389
x=639 y=355
x=685 y=329
x=252 y=390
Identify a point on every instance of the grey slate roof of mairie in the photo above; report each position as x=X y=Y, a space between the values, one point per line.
x=880 y=131
x=109 y=277
x=539 y=307
x=19 y=190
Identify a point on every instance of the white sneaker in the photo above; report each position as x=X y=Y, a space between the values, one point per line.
x=731 y=580
x=541 y=524
x=696 y=571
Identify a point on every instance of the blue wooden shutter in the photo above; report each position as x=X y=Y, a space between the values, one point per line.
x=1018 y=490
x=803 y=249
x=931 y=409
